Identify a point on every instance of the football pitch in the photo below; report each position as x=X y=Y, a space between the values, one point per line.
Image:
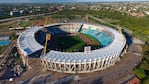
x=74 y=43
x=70 y=43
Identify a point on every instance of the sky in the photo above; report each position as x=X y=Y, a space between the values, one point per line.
x=58 y=1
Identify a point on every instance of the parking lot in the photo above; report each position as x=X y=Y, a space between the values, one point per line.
x=10 y=65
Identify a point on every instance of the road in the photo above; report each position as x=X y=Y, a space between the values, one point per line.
x=112 y=75
x=116 y=74
x=22 y=17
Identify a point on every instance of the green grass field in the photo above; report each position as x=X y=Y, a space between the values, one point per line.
x=140 y=73
x=26 y=23
x=93 y=40
x=74 y=43
x=70 y=43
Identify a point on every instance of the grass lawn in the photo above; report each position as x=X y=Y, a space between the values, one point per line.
x=139 y=73
x=144 y=65
x=70 y=43
x=142 y=70
x=26 y=23
x=145 y=81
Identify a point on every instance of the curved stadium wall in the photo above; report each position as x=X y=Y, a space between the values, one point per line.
x=77 y=62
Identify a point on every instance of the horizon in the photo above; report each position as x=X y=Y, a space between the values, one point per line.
x=66 y=1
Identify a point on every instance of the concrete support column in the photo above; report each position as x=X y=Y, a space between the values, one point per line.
x=90 y=64
x=99 y=63
x=94 y=65
x=102 y=65
x=85 y=66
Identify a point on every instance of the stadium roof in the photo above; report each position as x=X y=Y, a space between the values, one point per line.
x=113 y=49
x=27 y=42
x=29 y=45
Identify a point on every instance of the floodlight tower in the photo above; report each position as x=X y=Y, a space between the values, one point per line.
x=120 y=31
x=48 y=37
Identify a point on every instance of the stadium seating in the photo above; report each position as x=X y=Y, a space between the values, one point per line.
x=27 y=43
x=77 y=62
x=63 y=29
x=103 y=38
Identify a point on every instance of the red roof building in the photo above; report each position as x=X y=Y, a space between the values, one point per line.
x=133 y=80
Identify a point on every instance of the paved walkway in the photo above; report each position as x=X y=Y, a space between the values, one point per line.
x=113 y=75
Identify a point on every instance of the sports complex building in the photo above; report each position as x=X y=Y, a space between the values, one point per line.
x=32 y=43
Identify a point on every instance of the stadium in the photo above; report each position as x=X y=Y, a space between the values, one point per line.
x=72 y=47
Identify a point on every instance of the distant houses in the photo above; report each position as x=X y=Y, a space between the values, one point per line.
x=132 y=80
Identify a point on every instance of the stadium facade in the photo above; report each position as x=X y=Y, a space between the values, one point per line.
x=112 y=41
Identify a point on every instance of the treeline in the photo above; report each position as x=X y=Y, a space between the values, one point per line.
x=139 y=25
x=142 y=70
